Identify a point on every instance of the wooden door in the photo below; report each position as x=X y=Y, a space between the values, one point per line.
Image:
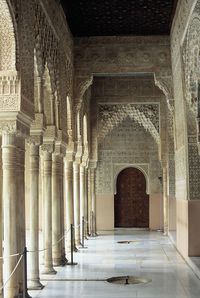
x=131 y=200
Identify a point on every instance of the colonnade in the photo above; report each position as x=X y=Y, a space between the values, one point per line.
x=68 y=194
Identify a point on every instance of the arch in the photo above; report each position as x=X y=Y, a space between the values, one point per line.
x=131 y=203
x=112 y=119
x=123 y=167
x=7 y=38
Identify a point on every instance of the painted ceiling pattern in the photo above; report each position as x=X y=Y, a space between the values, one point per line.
x=119 y=17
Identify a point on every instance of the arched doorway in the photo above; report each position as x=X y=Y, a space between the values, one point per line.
x=131 y=200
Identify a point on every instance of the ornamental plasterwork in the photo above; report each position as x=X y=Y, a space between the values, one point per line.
x=181 y=17
x=191 y=60
x=110 y=116
x=7 y=37
x=194 y=169
x=122 y=54
x=81 y=84
x=165 y=83
x=126 y=144
x=58 y=23
x=14 y=127
x=9 y=91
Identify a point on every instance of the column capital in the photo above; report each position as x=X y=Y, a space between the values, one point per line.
x=35 y=140
x=57 y=164
x=19 y=126
x=92 y=164
x=60 y=145
x=50 y=133
x=69 y=156
x=39 y=123
x=79 y=152
x=47 y=147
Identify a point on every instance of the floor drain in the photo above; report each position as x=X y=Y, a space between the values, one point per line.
x=125 y=242
x=128 y=280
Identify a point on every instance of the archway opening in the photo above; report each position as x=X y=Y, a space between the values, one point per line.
x=131 y=200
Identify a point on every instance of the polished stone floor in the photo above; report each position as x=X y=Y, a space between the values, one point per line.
x=150 y=255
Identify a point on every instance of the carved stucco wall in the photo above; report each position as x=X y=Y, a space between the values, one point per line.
x=126 y=141
x=124 y=146
x=121 y=54
x=185 y=44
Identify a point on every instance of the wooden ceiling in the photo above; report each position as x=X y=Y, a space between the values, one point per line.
x=119 y=17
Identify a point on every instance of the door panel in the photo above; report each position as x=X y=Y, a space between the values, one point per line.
x=131 y=200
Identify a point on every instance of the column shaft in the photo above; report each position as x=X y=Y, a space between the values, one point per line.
x=76 y=203
x=47 y=192
x=82 y=196
x=89 y=203
x=34 y=278
x=86 y=202
x=69 y=201
x=165 y=200
x=62 y=218
x=10 y=201
x=56 y=210
x=93 y=201
x=21 y=205
x=1 y=228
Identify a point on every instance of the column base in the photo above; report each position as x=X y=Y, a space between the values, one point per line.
x=21 y=295
x=75 y=249
x=35 y=285
x=64 y=260
x=77 y=243
x=57 y=262
x=93 y=235
x=49 y=271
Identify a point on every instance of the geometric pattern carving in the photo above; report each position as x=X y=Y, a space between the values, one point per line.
x=127 y=145
x=191 y=59
x=165 y=83
x=146 y=115
x=7 y=38
x=194 y=170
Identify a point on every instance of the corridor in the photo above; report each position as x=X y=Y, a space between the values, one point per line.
x=150 y=255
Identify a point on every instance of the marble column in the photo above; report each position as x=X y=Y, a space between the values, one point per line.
x=89 y=204
x=165 y=199
x=62 y=217
x=76 y=184
x=34 y=277
x=93 y=201
x=69 y=201
x=21 y=205
x=47 y=193
x=82 y=197
x=1 y=226
x=56 y=209
x=86 y=202
x=10 y=201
